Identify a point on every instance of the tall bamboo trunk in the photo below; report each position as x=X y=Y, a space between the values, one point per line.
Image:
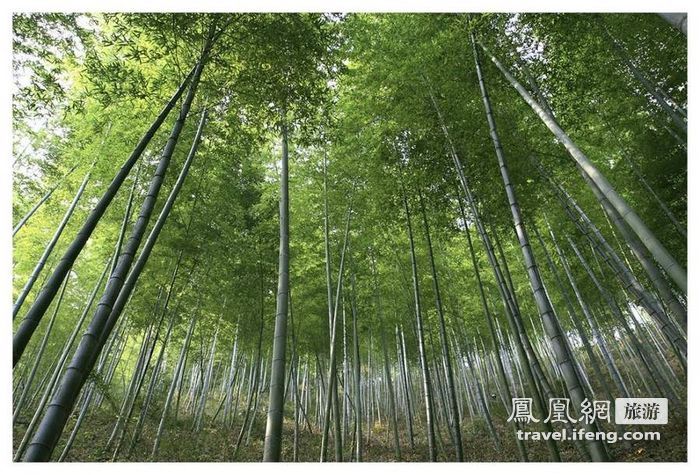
x=593 y=359
x=39 y=354
x=658 y=377
x=48 y=292
x=49 y=247
x=662 y=256
x=656 y=277
x=522 y=451
x=275 y=414
x=56 y=416
x=406 y=383
x=387 y=370
x=622 y=271
x=171 y=392
x=667 y=104
x=511 y=311
x=106 y=369
x=43 y=200
x=331 y=393
x=422 y=353
x=556 y=339
x=59 y=365
x=449 y=374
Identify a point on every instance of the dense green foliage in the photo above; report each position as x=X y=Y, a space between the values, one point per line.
x=355 y=90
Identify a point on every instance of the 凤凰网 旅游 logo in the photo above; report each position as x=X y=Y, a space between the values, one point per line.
x=627 y=411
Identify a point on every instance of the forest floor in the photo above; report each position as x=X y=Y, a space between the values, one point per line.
x=181 y=443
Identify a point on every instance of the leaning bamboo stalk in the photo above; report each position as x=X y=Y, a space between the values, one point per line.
x=662 y=256
x=48 y=292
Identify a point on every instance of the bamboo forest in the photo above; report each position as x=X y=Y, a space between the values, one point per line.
x=349 y=237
